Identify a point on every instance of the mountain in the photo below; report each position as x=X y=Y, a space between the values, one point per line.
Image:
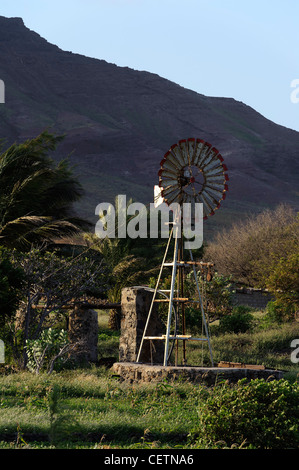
x=119 y=123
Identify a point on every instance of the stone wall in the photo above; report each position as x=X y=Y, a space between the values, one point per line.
x=83 y=334
x=255 y=298
x=135 y=305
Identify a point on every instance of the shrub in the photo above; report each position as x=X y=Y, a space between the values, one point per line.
x=276 y=312
x=250 y=249
x=11 y=279
x=51 y=282
x=257 y=414
x=193 y=320
x=43 y=352
x=216 y=294
x=283 y=281
x=239 y=321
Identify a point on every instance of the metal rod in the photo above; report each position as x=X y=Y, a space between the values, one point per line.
x=181 y=284
x=202 y=311
x=173 y=276
x=154 y=295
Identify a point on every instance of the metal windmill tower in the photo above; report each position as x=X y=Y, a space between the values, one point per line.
x=191 y=171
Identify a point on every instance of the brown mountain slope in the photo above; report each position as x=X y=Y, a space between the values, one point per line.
x=119 y=123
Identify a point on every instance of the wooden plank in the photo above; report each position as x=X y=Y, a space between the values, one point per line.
x=240 y=365
x=86 y=306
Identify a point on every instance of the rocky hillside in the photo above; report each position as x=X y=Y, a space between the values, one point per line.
x=120 y=122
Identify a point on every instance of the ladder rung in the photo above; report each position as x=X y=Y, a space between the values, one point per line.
x=181 y=264
x=187 y=264
x=174 y=300
x=154 y=337
x=179 y=337
x=186 y=337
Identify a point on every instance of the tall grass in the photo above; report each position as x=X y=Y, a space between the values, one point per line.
x=87 y=408
x=271 y=348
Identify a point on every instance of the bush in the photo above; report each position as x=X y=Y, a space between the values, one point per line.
x=276 y=312
x=239 y=321
x=216 y=294
x=283 y=281
x=11 y=279
x=251 y=249
x=193 y=320
x=257 y=414
x=43 y=352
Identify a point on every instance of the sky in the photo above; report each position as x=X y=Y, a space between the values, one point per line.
x=242 y=49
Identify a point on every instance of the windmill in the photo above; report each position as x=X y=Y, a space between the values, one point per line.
x=192 y=171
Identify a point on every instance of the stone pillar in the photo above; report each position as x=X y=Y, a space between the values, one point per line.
x=135 y=305
x=83 y=333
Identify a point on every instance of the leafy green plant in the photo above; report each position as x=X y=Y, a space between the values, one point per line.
x=216 y=294
x=275 y=312
x=239 y=321
x=283 y=281
x=46 y=350
x=193 y=320
x=257 y=414
x=37 y=194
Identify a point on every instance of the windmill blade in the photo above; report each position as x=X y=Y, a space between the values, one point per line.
x=177 y=155
x=210 y=158
x=167 y=173
x=193 y=171
x=204 y=155
x=191 y=149
x=168 y=164
x=199 y=149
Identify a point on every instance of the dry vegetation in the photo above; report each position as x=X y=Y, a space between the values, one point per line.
x=249 y=250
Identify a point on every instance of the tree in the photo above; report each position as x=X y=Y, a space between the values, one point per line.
x=11 y=282
x=37 y=194
x=129 y=261
x=250 y=250
x=283 y=282
x=51 y=283
x=11 y=279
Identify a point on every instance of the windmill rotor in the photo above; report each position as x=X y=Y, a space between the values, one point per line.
x=192 y=170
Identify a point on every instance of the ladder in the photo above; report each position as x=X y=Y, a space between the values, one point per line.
x=178 y=265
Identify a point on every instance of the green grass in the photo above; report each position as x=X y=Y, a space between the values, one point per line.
x=92 y=408
x=270 y=347
x=97 y=411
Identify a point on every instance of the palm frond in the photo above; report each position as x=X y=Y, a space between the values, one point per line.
x=23 y=231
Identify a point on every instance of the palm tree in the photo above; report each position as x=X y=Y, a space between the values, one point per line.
x=36 y=194
x=130 y=262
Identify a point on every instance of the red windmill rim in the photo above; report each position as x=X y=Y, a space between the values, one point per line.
x=202 y=156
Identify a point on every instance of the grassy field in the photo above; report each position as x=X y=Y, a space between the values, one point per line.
x=91 y=408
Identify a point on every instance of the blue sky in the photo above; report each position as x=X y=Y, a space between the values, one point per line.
x=244 y=49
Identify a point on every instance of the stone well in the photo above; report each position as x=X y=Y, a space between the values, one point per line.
x=135 y=305
x=133 y=373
